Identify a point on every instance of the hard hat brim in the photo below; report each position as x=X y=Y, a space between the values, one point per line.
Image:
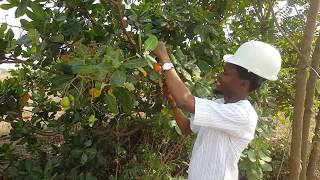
x=233 y=60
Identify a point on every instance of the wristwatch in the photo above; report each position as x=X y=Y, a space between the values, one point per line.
x=167 y=66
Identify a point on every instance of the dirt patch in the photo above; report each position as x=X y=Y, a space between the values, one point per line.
x=4 y=75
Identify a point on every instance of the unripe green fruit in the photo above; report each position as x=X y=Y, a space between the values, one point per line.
x=92 y=119
x=65 y=102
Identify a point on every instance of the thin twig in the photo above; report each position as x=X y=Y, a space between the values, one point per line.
x=45 y=133
x=66 y=88
x=315 y=72
x=280 y=168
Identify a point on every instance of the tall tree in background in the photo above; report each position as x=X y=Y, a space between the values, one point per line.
x=310 y=91
x=301 y=82
x=315 y=153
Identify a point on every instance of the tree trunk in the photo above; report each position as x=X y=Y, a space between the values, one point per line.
x=315 y=153
x=308 y=108
x=301 y=81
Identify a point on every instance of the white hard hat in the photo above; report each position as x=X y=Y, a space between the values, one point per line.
x=257 y=57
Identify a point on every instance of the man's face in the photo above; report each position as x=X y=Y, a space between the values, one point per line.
x=229 y=82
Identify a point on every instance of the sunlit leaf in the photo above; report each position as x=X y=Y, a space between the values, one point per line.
x=151 y=43
x=251 y=155
x=34 y=36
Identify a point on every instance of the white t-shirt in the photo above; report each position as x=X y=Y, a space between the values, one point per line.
x=224 y=131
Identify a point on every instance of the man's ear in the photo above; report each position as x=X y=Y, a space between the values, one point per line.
x=245 y=84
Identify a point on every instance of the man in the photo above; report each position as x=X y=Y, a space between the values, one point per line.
x=225 y=126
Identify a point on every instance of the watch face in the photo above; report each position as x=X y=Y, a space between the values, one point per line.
x=167 y=66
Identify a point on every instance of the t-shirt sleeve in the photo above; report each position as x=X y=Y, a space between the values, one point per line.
x=193 y=127
x=238 y=119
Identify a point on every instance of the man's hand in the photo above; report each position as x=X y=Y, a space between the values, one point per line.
x=161 y=52
x=180 y=93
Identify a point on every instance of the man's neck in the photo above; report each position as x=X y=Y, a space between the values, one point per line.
x=233 y=99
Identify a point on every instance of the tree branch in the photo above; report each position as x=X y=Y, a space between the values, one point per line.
x=282 y=31
x=13 y=60
x=117 y=7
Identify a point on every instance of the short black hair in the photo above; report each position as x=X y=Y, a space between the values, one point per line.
x=255 y=80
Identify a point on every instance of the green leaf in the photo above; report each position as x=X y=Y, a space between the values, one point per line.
x=116 y=58
x=65 y=68
x=112 y=104
x=84 y=69
x=38 y=10
x=88 y=143
x=151 y=43
x=118 y=78
x=3 y=28
x=102 y=70
x=266 y=167
x=22 y=7
x=125 y=99
x=17 y=51
x=28 y=165
x=9 y=35
x=61 y=79
x=14 y=2
x=3 y=45
x=90 y=177
x=25 y=24
x=154 y=76
x=264 y=157
x=251 y=155
x=34 y=36
x=135 y=63
x=203 y=89
x=57 y=38
x=36 y=21
x=24 y=40
x=82 y=50
x=91 y=153
x=129 y=86
x=103 y=67
x=76 y=61
x=71 y=27
x=252 y=174
x=6 y=6
x=84 y=158
x=186 y=74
